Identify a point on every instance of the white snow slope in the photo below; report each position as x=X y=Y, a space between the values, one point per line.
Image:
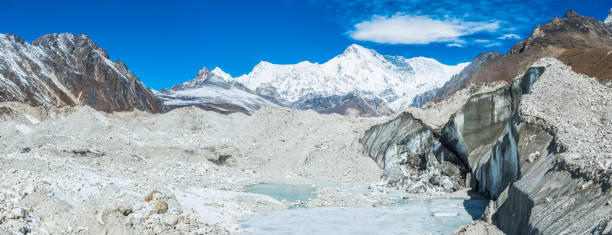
x=213 y=90
x=395 y=79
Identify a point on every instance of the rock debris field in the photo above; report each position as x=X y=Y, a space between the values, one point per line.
x=81 y=171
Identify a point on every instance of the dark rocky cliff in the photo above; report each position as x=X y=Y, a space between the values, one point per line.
x=67 y=70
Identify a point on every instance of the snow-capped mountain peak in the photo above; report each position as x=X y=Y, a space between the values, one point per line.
x=220 y=73
x=355 y=50
x=212 y=90
x=393 y=79
x=358 y=79
x=204 y=74
x=216 y=77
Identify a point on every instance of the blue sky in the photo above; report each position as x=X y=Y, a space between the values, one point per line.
x=167 y=42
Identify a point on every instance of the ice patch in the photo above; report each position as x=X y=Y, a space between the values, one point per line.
x=66 y=199
x=410 y=218
x=219 y=206
x=23 y=129
x=445 y=214
x=31 y=119
x=290 y=193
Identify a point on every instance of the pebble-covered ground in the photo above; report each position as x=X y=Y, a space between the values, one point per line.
x=83 y=171
x=80 y=171
x=575 y=107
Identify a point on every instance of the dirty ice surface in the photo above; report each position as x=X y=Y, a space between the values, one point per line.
x=436 y=216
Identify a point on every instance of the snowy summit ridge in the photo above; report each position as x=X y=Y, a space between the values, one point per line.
x=609 y=18
x=213 y=90
x=394 y=79
x=358 y=81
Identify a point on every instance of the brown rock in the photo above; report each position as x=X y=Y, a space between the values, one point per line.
x=579 y=41
x=161 y=207
x=124 y=210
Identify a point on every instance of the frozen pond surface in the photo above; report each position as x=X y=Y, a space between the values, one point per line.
x=291 y=193
x=437 y=216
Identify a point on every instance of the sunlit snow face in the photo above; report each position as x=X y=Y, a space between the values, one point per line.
x=395 y=79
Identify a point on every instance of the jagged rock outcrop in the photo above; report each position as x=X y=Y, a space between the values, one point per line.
x=67 y=70
x=579 y=41
x=213 y=90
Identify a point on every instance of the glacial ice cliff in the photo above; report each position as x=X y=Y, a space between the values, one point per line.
x=481 y=139
x=533 y=149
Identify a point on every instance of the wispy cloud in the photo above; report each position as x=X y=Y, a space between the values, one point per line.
x=482 y=40
x=454 y=45
x=495 y=44
x=509 y=36
x=513 y=18
x=408 y=29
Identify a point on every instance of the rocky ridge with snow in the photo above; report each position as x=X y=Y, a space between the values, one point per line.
x=213 y=90
x=359 y=81
x=67 y=70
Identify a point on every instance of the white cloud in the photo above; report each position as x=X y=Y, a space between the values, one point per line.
x=482 y=41
x=406 y=29
x=495 y=44
x=454 y=45
x=509 y=36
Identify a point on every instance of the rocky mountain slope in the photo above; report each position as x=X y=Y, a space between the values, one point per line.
x=213 y=90
x=457 y=81
x=67 y=70
x=579 y=41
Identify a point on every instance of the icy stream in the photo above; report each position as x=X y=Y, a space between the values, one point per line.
x=437 y=216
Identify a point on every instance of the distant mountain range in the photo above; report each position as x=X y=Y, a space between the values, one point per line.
x=68 y=70
x=359 y=81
